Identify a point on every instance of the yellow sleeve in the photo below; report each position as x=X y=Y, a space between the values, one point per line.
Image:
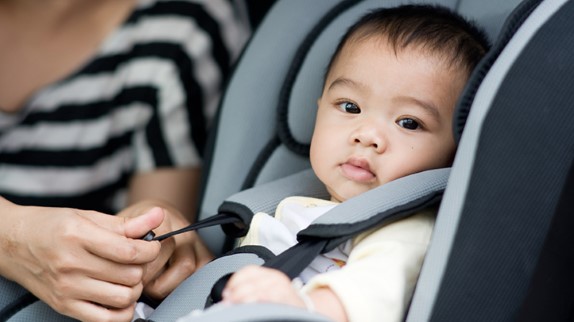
x=378 y=280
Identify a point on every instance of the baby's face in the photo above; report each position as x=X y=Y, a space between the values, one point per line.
x=383 y=116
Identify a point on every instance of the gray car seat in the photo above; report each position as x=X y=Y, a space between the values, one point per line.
x=501 y=249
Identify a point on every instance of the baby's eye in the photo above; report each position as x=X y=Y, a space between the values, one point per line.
x=408 y=124
x=349 y=107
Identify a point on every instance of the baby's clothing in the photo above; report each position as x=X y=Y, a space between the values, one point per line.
x=373 y=275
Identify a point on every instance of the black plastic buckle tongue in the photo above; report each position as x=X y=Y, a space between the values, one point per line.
x=149 y=236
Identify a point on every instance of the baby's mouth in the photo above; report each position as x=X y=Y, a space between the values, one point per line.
x=357 y=170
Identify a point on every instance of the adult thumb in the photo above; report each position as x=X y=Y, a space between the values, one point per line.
x=139 y=226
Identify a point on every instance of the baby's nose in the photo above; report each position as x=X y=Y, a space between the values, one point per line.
x=370 y=137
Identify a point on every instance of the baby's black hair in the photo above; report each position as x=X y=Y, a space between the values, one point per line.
x=434 y=28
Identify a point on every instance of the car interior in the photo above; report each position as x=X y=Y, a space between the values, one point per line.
x=501 y=249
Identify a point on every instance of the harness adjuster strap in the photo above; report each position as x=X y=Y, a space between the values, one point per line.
x=219 y=219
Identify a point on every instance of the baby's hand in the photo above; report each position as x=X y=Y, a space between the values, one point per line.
x=260 y=284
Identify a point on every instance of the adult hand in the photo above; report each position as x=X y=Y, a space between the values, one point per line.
x=84 y=264
x=180 y=256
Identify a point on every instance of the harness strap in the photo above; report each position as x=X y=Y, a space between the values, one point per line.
x=295 y=259
x=219 y=219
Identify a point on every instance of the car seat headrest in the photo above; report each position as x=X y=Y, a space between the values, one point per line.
x=303 y=83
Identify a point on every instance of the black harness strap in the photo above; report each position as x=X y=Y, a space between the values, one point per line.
x=16 y=306
x=295 y=259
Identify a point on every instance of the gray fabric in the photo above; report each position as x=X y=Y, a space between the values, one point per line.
x=282 y=163
x=264 y=198
x=39 y=311
x=193 y=292
x=257 y=313
x=454 y=199
x=489 y=14
x=9 y=291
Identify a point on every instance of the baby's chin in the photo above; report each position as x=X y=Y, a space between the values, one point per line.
x=341 y=196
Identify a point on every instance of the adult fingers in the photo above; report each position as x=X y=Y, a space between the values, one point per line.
x=181 y=264
x=154 y=269
x=89 y=311
x=112 y=272
x=188 y=256
x=131 y=227
x=125 y=247
x=93 y=300
x=123 y=250
x=110 y=295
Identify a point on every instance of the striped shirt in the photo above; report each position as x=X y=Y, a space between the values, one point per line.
x=143 y=102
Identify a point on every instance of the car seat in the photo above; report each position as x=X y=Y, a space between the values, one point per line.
x=501 y=248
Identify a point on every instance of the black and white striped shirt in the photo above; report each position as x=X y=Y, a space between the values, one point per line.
x=143 y=102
